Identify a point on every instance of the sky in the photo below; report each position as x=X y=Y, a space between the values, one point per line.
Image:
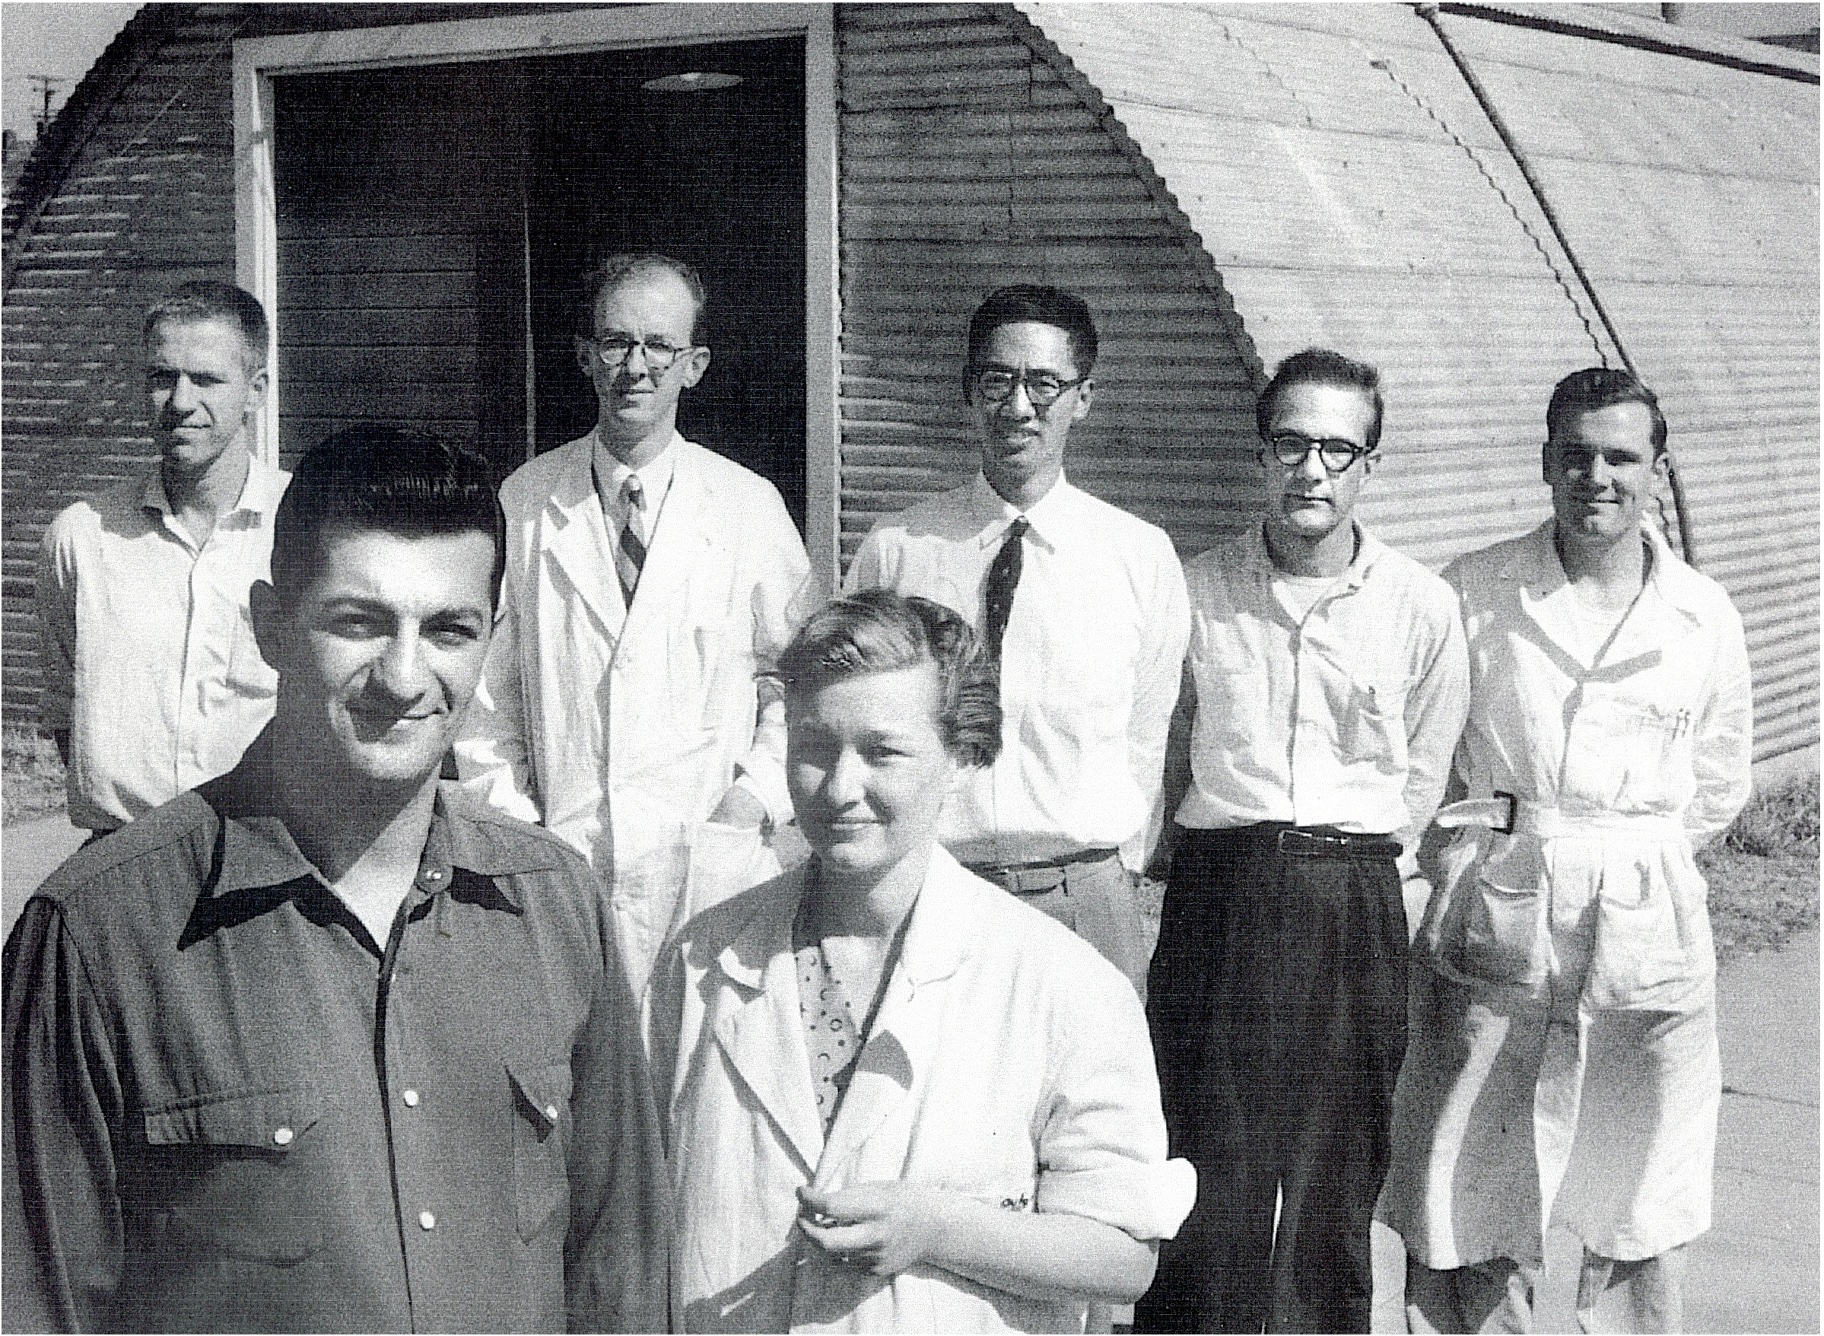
x=63 y=39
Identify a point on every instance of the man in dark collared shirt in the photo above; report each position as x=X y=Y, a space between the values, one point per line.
x=311 y=1048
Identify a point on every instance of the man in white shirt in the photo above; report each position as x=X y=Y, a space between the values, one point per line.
x=1083 y=605
x=1331 y=686
x=152 y=680
x=1564 y=1066
x=649 y=583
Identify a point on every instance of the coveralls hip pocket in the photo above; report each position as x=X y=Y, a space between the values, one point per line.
x=1652 y=931
x=1492 y=928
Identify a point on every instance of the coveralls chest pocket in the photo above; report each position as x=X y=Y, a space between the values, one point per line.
x=1623 y=748
x=541 y=1141
x=228 y=1172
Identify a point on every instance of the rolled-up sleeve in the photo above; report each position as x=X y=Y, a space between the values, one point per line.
x=63 y=1241
x=56 y=605
x=1102 y=1143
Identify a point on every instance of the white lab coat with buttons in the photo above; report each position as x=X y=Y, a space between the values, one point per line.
x=1563 y=1058
x=620 y=731
x=1008 y=1062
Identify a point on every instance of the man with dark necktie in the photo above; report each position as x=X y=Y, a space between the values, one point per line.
x=1084 y=607
x=650 y=583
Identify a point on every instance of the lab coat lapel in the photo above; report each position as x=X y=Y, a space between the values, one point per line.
x=903 y=1044
x=682 y=536
x=762 y=1033
x=576 y=537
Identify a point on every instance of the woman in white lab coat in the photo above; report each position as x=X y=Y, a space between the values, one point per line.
x=899 y=1100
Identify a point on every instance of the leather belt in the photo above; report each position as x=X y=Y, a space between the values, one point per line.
x=1041 y=874
x=1295 y=842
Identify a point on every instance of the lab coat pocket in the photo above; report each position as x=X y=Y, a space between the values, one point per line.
x=541 y=1138
x=234 y=1173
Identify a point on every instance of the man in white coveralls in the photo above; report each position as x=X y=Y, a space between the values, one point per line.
x=1562 y=1063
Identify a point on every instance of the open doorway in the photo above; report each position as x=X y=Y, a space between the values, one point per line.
x=433 y=221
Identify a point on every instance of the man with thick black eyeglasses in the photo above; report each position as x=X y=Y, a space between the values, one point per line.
x=1331 y=685
x=650 y=584
x=1083 y=605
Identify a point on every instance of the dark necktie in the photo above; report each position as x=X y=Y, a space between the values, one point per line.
x=630 y=555
x=1003 y=579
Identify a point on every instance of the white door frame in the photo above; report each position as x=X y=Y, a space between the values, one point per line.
x=258 y=59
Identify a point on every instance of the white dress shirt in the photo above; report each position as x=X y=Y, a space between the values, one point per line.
x=1346 y=716
x=1090 y=665
x=148 y=652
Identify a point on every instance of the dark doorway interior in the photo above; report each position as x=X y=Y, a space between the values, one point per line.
x=434 y=220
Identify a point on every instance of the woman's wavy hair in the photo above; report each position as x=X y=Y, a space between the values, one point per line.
x=879 y=631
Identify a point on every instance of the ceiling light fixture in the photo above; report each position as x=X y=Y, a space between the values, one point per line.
x=695 y=81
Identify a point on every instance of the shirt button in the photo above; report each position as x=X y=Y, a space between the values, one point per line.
x=411 y=1099
x=426 y=1220
x=551 y=1112
x=282 y=1137
x=433 y=875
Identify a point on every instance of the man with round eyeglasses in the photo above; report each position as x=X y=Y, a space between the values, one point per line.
x=1083 y=606
x=650 y=584
x=1331 y=684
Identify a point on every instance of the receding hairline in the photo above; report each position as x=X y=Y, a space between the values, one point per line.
x=253 y=356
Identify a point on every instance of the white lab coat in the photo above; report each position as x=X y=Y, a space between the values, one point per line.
x=1009 y=1061
x=620 y=732
x=1562 y=1065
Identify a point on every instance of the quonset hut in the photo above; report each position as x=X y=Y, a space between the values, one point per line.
x=1477 y=197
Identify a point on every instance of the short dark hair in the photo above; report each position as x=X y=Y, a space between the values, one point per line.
x=1321 y=366
x=1020 y=302
x=373 y=477
x=208 y=299
x=630 y=264
x=879 y=631
x=1602 y=387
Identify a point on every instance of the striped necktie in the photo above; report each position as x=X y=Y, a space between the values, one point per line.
x=1003 y=579
x=630 y=552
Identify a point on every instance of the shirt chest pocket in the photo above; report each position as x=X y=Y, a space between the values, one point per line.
x=249 y=675
x=541 y=1140
x=230 y=1172
x=1370 y=714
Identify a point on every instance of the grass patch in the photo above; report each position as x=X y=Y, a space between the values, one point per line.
x=31 y=781
x=1763 y=872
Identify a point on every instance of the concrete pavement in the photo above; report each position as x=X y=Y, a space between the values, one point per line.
x=1755 y=1271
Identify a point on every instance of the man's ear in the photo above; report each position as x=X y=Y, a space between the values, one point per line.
x=269 y=624
x=1086 y=393
x=694 y=366
x=1545 y=463
x=585 y=356
x=1662 y=468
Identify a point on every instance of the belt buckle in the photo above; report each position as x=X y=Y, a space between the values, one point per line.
x=1513 y=811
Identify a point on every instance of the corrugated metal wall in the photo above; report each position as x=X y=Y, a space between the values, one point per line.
x=1690 y=193
x=1351 y=193
x=967 y=162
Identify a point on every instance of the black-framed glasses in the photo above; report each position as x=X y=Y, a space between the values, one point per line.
x=613 y=350
x=1292 y=449
x=995 y=385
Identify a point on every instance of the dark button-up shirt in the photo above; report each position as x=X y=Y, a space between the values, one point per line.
x=229 y=1108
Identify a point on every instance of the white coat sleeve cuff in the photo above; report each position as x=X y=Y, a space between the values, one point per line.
x=1146 y=1201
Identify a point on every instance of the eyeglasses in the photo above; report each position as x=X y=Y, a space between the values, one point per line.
x=995 y=386
x=1292 y=450
x=613 y=350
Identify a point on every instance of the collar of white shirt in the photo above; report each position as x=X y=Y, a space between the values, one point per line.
x=655 y=474
x=259 y=497
x=1048 y=517
x=1368 y=550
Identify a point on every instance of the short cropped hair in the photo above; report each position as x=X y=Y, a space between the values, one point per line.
x=207 y=299
x=378 y=478
x=1602 y=387
x=631 y=264
x=1019 y=303
x=879 y=631
x=1321 y=366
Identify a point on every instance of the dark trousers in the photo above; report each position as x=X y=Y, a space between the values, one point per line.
x=1277 y=1002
